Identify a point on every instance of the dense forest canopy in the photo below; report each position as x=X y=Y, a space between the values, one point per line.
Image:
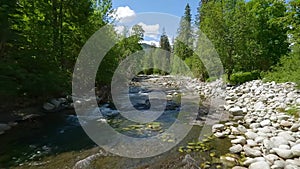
x=40 y=42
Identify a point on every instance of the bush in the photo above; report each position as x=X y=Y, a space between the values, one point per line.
x=242 y=77
x=288 y=70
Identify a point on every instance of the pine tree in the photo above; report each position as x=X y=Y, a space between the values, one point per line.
x=166 y=47
x=184 y=40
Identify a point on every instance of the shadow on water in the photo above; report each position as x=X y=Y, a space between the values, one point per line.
x=51 y=134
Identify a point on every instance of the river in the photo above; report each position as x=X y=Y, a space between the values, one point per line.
x=57 y=140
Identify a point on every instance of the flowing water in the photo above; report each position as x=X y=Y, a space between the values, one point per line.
x=57 y=133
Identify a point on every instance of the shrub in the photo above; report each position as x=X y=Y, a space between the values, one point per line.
x=242 y=77
x=287 y=70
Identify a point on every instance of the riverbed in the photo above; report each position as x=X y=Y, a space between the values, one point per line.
x=57 y=140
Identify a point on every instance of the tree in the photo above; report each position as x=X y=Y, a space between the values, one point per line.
x=184 y=40
x=247 y=35
x=166 y=47
x=138 y=31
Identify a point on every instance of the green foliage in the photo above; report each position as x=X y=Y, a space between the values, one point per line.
x=40 y=41
x=184 y=40
x=196 y=66
x=242 y=77
x=287 y=70
x=248 y=35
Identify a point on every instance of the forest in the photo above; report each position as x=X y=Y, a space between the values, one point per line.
x=41 y=40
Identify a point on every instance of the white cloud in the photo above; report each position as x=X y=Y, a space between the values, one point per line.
x=119 y=29
x=124 y=14
x=151 y=42
x=151 y=31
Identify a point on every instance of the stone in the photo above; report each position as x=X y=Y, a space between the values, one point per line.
x=283 y=153
x=49 y=107
x=286 y=135
x=239 y=167
x=218 y=127
x=254 y=125
x=251 y=143
x=242 y=128
x=259 y=139
x=259 y=106
x=293 y=161
x=265 y=123
x=249 y=161
x=285 y=123
x=283 y=117
x=286 y=147
x=266 y=129
x=278 y=164
x=252 y=152
x=259 y=165
x=236 y=111
x=4 y=127
x=296 y=150
x=295 y=127
x=235 y=131
x=251 y=135
x=298 y=100
x=290 y=166
x=277 y=141
x=220 y=134
x=236 y=149
x=239 y=140
x=271 y=158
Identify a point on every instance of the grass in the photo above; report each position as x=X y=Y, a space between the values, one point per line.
x=292 y=111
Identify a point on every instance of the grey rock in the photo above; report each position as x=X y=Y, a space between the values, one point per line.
x=296 y=150
x=286 y=147
x=277 y=141
x=279 y=164
x=236 y=149
x=290 y=166
x=286 y=154
x=286 y=135
x=251 y=135
x=271 y=158
x=220 y=134
x=283 y=117
x=252 y=152
x=259 y=165
x=49 y=107
x=4 y=127
x=242 y=128
x=259 y=139
x=254 y=125
x=218 y=127
x=239 y=140
x=293 y=161
x=285 y=123
x=251 y=143
x=265 y=123
x=239 y=167
x=236 y=111
x=295 y=127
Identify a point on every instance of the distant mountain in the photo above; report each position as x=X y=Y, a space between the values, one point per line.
x=147 y=46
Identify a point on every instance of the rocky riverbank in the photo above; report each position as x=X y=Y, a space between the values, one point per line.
x=265 y=126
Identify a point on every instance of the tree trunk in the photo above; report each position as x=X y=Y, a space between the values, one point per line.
x=55 y=28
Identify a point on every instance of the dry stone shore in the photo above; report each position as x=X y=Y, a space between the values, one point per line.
x=263 y=131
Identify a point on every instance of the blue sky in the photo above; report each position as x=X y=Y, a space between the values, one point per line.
x=152 y=15
x=174 y=7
